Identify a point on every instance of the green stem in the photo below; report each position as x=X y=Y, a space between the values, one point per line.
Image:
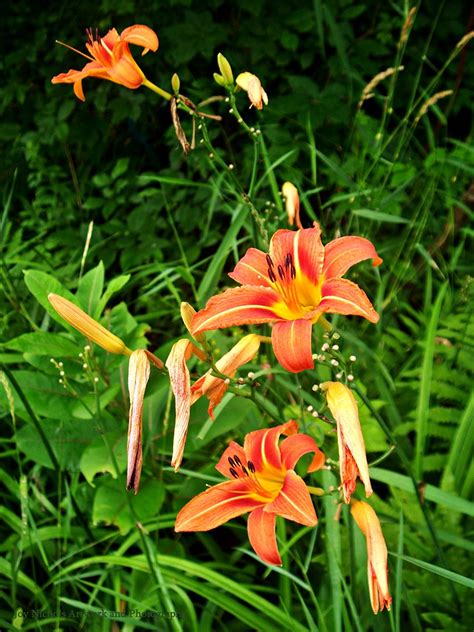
x=157 y=90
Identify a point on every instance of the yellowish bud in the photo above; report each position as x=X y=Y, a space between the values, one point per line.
x=187 y=313
x=225 y=69
x=219 y=79
x=87 y=326
x=175 y=83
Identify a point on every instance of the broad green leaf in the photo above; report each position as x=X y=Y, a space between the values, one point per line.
x=97 y=457
x=40 y=285
x=43 y=343
x=112 y=288
x=89 y=290
x=113 y=504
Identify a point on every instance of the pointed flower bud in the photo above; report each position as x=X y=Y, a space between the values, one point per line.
x=226 y=70
x=377 y=570
x=87 y=326
x=187 y=313
x=352 y=456
x=292 y=203
x=138 y=374
x=175 y=83
x=252 y=86
x=219 y=79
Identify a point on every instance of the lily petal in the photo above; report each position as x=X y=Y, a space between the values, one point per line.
x=305 y=247
x=341 y=254
x=181 y=386
x=291 y=340
x=141 y=35
x=237 y=306
x=215 y=506
x=225 y=462
x=340 y=296
x=138 y=374
x=261 y=531
x=252 y=269
x=261 y=446
x=294 y=502
x=292 y=449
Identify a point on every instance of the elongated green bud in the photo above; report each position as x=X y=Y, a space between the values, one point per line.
x=175 y=83
x=225 y=68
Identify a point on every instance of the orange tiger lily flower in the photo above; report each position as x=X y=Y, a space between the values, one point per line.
x=263 y=482
x=352 y=456
x=212 y=387
x=110 y=58
x=292 y=286
x=377 y=570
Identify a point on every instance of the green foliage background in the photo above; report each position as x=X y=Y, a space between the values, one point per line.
x=166 y=229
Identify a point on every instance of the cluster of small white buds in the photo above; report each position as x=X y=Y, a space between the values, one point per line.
x=335 y=347
x=350 y=378
x=325 y=347
x=334 y=362
x=352 y=358
x=251 y=375
x=310 y=408
x=315 y=413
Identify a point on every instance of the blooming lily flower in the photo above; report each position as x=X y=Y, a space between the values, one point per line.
x=352 y=456
x=377 y=570
x=212 y=387
x=252 y=86
x=110 y=58
x=292 y=203
x=292 y=286
x=262 y=482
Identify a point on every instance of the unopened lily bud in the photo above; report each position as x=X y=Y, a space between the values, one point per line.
x=292 y=203
x=187 y=313
x=175 y=83
x=219 y=79
x=87 y=326
x=252 y=86
x=225 y=68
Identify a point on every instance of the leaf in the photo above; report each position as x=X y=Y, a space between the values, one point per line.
x=68 y=438
x=378 y=216
x=97 y=458
x=43 y=343
x=90 y=289
x=113 y=287
x=112 y=506
x=40 y=285
x=438 y=570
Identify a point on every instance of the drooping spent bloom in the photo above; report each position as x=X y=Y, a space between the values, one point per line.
x=263 y=482
x=292 y=287
x=352 y=455
x=212 y=387
x=377 y=569
x=110 y=58
x=254 y=89
x=138 y=374
x=292 y=203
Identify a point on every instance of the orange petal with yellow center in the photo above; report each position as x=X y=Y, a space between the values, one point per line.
x=232 y=450
x=292 y=449
x=252 y=269
x=340 y=296
x=125 y=70
x=294 y=501
x=261 y=531
x=305 y=248
x=141 y=35
x=238 y=306
x=261 y=446
x=341 y=254
x=291 y=340
x=216 y=506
